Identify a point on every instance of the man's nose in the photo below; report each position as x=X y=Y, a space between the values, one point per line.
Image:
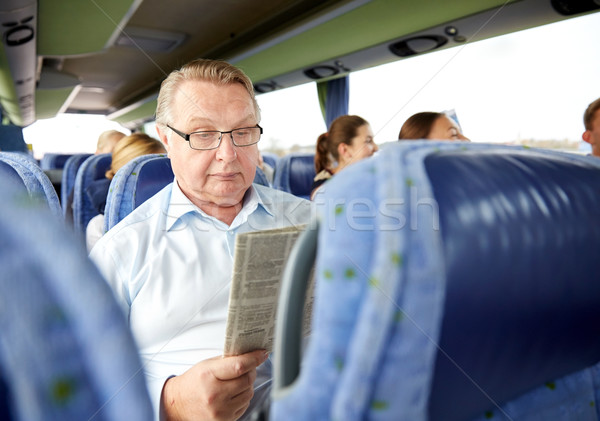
x=226 y=150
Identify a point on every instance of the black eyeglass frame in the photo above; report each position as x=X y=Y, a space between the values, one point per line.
x=186 y=136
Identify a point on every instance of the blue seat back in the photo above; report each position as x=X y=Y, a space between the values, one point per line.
x=261 y=178
x=454 y=282
x=521 y=276
x=295 y=173
x=37 y=183
x=70 y=169
x=270 y=158
x=93 y=168
x=54 y=161
x=12 y=177
x=134 y=183
x=66 y=352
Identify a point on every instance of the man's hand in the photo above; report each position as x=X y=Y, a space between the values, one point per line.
x=219 y=388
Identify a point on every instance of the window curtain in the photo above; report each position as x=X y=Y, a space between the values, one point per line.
x=333 y=97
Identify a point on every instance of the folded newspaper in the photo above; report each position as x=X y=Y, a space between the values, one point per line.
x=259 y=261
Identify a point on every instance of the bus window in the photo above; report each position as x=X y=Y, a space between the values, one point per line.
x=529 y=87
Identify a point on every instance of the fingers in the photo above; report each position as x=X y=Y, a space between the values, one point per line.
x=241 y=402
x=219 y=388
x=229 y=368
x=236 y=395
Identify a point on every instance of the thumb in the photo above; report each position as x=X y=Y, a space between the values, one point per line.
x=228 y=368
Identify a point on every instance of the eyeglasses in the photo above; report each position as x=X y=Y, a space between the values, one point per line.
x=211 y=139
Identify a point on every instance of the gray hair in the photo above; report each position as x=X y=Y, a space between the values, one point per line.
x=215 y=71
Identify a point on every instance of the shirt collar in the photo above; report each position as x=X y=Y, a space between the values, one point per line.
x=180 y=205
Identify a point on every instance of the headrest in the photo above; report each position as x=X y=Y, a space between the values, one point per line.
x=295 y=174
x=153 y=175
x=12 y=177
x=450 y=279
x=521 y=232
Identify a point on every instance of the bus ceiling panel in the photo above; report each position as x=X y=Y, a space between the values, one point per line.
x=363 y=27
x=131 y=70
x=471 y=27
x=136 y=114
x=277 y=41
x=54 y=91
x=50 y=102
x=68 y=28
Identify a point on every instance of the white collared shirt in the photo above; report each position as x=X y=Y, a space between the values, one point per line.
x=170 y=264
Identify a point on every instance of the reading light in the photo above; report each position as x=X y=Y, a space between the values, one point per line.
x=264 y=87
x=417 y=45
x=451 y=30
x=319 y=72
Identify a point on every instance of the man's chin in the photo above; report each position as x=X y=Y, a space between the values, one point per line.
x=228 y=198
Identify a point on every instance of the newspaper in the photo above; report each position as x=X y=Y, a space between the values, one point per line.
x=259 y=261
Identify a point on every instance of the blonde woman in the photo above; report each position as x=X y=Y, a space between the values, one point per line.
x=126 y=149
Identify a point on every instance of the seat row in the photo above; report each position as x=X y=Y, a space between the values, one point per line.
x=146 y=175
x=138 y=181
x=465 y=288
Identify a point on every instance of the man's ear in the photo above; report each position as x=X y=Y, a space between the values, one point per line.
x=162 y=135
x=586 y=136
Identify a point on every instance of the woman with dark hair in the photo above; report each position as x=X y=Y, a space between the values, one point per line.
x=430 y=125
x=348 y=140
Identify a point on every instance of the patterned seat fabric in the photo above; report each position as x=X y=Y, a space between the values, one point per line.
x=454 y=282
x=72 y=164
x=93 y=168
x=37 y=183
x=52 y=161
x=66 y=352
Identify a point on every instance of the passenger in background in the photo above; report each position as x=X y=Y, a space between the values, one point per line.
x=591 y=121
x=107 y=141
x=125 y=150
x=348 y=140
x=430 y=125
x=170 y=261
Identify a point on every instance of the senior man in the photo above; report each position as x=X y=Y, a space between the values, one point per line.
x=170 y=261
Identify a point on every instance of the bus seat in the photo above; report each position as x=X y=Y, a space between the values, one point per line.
x=70 y=168
x=295 y=173
x=54 y=161
x=37 y=183
x=66 y=352
x=93 y=168
x=12 y=177
x=453 y=282
x=261 y=178
x=134 y=183
x=22 y=155
x=270 y=158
